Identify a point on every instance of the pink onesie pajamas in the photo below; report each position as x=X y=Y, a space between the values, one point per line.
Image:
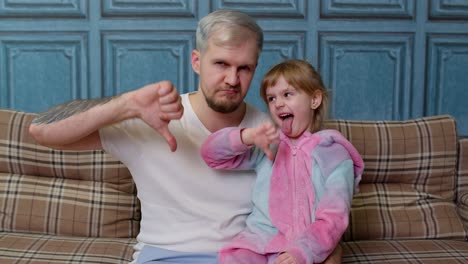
x=301 y=201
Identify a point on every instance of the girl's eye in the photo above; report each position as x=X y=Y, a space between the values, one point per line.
x=270 y=99
x=287 y=94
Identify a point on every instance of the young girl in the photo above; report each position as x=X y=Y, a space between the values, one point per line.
x=305 y=177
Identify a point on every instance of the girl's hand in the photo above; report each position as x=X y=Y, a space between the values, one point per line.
x=262 y=136
x=285 y=258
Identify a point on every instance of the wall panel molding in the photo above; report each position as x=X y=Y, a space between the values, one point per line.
x=54 y=63
x=447 y=77
x=397 y=9
x=43 y=9
x=132 y=60
x=369 y=76
x=266 y=8
x=380 y=59
x=448 y=9
x=155 y=9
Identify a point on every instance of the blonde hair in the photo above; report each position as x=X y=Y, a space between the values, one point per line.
x=236 y=26
x=302 y=76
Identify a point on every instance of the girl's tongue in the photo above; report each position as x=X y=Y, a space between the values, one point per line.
x=286 y=125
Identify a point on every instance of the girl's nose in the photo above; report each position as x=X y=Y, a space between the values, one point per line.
x=279 y=102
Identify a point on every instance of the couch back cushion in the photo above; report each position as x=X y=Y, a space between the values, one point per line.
x=76 y=193
x=462 y=186
x=408 y=186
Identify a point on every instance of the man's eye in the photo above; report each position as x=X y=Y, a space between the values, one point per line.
x=245 y=68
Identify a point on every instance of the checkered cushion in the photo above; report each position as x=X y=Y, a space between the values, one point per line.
x=36 y=249
x=408 y=186
x=75 y=193
x=405 y=251
x=462 y=187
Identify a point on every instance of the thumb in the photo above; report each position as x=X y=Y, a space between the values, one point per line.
x=266 y=149
x=170 y=139
x=269 y=154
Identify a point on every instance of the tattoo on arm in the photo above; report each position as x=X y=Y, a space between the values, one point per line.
x=68 y=109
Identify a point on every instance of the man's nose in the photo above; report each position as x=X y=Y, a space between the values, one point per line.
x=232 y=77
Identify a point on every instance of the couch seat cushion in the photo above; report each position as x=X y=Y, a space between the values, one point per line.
x=405 y=251
x=36 y=248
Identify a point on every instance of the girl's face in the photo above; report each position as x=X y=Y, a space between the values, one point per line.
x=292 y=109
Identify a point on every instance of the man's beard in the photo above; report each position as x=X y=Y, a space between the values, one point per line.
x=222 y=107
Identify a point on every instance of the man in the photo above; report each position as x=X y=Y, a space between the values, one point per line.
x=188 y=210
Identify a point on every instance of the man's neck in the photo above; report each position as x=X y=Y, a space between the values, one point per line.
x=211 y=119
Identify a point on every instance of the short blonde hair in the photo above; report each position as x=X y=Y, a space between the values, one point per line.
x=231 y=22
x=302 y=76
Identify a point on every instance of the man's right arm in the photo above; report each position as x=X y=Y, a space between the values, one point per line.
x=75 y=125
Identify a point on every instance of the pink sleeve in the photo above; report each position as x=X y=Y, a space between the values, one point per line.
x=224 y=150
x=331 y=218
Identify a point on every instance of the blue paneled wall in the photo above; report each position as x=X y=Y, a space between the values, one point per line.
x=390 y=60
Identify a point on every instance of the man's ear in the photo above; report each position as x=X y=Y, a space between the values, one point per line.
x=196 y=61
x=316 y=100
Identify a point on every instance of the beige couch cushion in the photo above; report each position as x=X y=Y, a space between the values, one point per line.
x=41 y=249
x=408 y=186
x=76 y=193
x=426 y=251
x=462 y=186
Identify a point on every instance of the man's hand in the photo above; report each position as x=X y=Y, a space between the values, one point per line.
x=262 y=136
x=285 y=258
x=158 y=104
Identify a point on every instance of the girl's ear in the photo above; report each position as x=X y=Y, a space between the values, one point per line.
x=316 y=100
x=196 y=61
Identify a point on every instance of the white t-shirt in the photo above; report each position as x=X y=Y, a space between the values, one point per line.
x=185 y=205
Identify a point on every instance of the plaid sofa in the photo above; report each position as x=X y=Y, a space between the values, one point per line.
x=62 y=206
x=81 y=207
x=413 y=201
